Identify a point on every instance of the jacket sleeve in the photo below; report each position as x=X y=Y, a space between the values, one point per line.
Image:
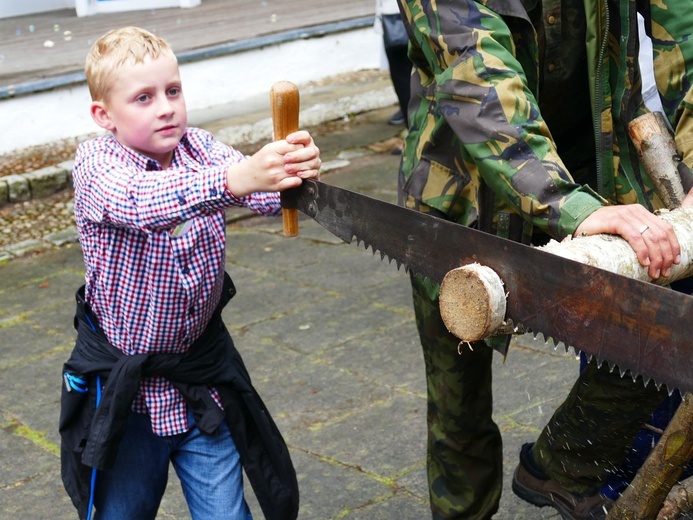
x=478 y=83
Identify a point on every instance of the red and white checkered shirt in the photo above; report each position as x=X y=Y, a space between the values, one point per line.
x=154 y=248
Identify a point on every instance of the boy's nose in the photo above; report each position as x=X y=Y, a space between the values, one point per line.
x=165 y=107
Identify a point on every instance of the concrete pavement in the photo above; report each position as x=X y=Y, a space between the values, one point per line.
x=327 y=332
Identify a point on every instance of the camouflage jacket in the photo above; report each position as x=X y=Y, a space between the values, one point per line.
x=672 y=42
x=476 y=118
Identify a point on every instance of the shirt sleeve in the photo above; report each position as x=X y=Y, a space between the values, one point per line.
x=220 y=153
x=116 y=185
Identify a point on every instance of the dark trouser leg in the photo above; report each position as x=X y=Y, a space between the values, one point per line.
x=464 y=445
x=589 y=435
x=400 y=74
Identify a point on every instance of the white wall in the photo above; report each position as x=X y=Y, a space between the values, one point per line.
x=90 y=7
x=9 y=8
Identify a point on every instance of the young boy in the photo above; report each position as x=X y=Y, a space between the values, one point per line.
x=154 y=376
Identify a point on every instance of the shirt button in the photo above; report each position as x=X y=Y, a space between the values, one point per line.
x=191 y=310
x=552 y=67
x=551 y=19
x=186 y=270
x=213 y=192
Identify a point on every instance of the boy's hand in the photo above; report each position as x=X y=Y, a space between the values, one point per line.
x=277 y=166
x=305 y=161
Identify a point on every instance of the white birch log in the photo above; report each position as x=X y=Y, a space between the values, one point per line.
x=657 y=150
x=613 y=253
x=468 y=295
x=472 y=302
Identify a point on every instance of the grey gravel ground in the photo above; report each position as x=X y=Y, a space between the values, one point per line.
x=36 y=218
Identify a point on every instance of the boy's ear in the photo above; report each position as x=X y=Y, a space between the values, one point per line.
x=99 y=114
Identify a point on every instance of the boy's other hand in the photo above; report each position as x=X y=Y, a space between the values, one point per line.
x=277 y=166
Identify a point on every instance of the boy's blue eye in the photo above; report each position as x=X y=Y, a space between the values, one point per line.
x=174 y=91
x=143 y=98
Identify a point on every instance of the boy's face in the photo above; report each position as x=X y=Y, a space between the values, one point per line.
x=145 y=108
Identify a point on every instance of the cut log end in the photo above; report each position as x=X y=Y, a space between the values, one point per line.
x=472 y=302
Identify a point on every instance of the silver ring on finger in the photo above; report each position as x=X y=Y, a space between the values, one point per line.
x=643 y=228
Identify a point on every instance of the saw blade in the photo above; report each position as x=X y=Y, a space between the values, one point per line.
x=636 y=326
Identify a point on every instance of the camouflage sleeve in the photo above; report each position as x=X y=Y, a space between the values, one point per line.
x=481 y=89
x=672 y=43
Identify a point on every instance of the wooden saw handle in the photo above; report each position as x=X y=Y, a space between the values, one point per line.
x=285 y=103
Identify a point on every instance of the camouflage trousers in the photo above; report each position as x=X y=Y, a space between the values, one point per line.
x=590 y=434
x=465 y=452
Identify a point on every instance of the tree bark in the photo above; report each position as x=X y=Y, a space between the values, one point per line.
x=643 y=499
x=657 y=150
x=678 y=501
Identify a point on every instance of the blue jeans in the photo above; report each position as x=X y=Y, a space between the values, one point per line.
x=208 y=467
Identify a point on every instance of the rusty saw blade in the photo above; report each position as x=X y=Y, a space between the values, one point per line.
x=633 y=325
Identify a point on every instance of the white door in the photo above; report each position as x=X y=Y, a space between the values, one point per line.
x=89 y=7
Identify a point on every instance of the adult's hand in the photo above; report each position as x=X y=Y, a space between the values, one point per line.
x=652 y=238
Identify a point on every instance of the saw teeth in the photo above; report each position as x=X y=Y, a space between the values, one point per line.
x=539 y=336
x=383 y=254
x=600 y=361
x=566 y=348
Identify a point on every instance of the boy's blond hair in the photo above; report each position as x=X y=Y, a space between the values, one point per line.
x=113 y=49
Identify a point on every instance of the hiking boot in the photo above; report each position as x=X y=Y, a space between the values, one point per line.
x=533 y=486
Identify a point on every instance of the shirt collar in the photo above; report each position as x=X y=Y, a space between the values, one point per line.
x=143 y=162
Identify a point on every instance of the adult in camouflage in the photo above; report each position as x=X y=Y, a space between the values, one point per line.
x=490 y=79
